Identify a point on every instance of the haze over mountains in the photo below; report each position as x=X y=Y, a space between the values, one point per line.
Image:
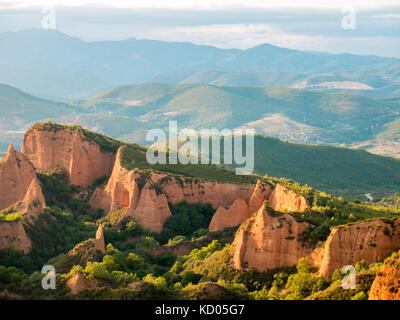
x=69 y=68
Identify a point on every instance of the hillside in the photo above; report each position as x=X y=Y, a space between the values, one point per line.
x=338 y=171
x=350 y=173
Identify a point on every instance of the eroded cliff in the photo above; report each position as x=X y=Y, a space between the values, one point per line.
x=16 y=175
x=278 y=198
x=386 y=285
x=268 y=241
x=369 y=240
x=13 y=235
x=145 y=195
x=49 y=146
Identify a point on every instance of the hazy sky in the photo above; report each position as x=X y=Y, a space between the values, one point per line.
x=306 y=25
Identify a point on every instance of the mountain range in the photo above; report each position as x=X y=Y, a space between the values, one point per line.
x=69 y=68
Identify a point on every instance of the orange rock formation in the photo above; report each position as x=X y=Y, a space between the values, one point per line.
x=280 y=199
x=99 y=240
x=16 y=175
x=369 y=240
x=261 y=192
x=33 y=203
x=81 y=157
x=386 y=285
x=80 y=283
x=12 y=234
x=283 y=199
x=238 y=212
x=146 y=197
x=266 y=241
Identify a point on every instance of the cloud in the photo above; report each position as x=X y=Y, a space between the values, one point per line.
x=244 y=36
x=201 y=4
x=377 y=30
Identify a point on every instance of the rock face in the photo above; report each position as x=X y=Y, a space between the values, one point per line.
x=261 y=192
x=146 y=197
x=70 y=149
x=33 y=203
x=218 y=194
x=151 y=210
x=386 y=285
x=12 y=234
x=266 y=242
x=280 y=199
x=283 y=199
x=16 y=175
x=369 y=240
x=238 y=212
x=80 y=283
x=99 y=240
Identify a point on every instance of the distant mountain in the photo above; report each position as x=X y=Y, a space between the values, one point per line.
x=18 y=110
x=68 y=68
x=361 y=83
x=296 y=115
x=129 y=111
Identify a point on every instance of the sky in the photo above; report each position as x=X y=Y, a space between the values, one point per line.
x=358 y=26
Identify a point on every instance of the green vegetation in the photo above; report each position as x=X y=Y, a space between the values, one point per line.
x=392 y=201
x=106 y=144
x=327 y=212
x=338 y=171
x=134 y=157
x=186 y=219
x=185 y=261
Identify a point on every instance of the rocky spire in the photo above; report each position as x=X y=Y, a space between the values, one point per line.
x=16 y=174
x=99 y=240
x=33 y=202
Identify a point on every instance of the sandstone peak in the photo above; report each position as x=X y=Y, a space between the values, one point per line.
x=13 y=235
x=67 y=148
x=33 y=202
x=237 y=213
x=99 y=243
x=262 y=192
x=16 y=175
x=79 y=283
x=10 y=148
x=268 y=241
x=284 y=199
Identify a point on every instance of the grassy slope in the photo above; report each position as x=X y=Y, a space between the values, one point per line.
x=134 y=157
x=338 y=171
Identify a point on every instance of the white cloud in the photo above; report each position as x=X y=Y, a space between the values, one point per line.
x=244 y=36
